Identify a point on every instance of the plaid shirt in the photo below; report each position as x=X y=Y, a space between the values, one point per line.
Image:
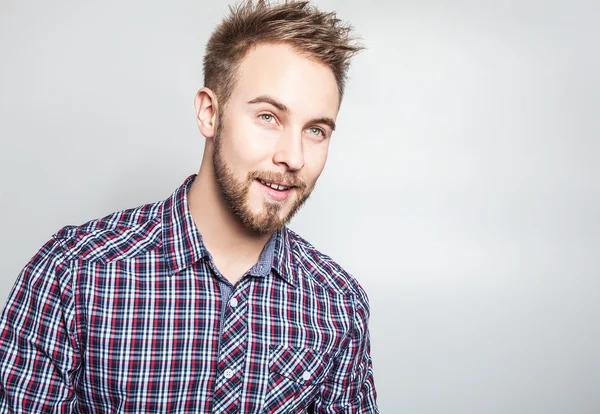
x=123 y=314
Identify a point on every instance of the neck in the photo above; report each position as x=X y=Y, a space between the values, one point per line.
x=224 y=236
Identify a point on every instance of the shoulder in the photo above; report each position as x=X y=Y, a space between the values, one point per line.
x=119 y=235
x=325 y=271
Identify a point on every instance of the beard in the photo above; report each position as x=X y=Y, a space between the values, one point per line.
x=236 y=193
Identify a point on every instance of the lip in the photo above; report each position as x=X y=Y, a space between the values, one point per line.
x=276 y=194
x=281 y=183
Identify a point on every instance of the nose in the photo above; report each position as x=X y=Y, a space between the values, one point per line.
x=289 y=151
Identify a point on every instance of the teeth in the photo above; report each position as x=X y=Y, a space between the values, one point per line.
x=275 y=186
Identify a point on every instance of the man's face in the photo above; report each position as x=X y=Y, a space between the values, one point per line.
x=273 y=136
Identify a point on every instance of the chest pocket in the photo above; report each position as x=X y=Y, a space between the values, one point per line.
x=295 y=375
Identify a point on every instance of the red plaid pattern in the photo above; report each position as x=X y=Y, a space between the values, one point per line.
x=122 y=314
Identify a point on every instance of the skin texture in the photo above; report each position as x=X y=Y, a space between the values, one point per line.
x=275 y=127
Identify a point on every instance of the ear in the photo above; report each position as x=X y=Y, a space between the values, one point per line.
x=206 y=112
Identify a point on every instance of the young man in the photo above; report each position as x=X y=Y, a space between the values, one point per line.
x=206 y=301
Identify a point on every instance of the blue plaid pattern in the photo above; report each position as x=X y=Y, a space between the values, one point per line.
x=123 y=314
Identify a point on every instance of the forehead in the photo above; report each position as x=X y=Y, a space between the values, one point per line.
x=306 y=87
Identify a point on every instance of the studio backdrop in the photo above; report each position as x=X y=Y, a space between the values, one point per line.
x=462 y=187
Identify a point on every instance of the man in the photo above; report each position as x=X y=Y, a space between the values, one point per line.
x=206 y=301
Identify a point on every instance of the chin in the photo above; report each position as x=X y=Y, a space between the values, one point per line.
x=264 y=212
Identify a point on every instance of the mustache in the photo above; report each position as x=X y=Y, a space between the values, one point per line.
x=290 y=179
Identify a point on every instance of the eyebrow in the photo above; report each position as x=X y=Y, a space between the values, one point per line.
x=272 y=101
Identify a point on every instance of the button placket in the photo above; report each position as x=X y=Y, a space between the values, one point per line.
x=232 y=357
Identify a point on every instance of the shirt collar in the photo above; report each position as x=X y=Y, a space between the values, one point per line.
x=182 y=241
x=276 y=256
x=183 y=246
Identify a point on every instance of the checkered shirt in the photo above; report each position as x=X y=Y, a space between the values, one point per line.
x=123 y=315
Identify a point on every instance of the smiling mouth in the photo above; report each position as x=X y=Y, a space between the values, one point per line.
x=274 y=186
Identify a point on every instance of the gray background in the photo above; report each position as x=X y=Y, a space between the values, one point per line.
x=462 y=186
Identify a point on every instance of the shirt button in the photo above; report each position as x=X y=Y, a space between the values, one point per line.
x=233 y=302
x=306 y=376
x=228 y=373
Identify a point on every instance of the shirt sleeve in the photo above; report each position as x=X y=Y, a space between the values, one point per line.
x=350 y=387
x=38 y=356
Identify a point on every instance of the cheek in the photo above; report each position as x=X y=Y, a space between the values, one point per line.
x=250 y=142
x=315 y=162
x=245 y=148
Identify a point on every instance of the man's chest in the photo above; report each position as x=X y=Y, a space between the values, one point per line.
x=157 y=344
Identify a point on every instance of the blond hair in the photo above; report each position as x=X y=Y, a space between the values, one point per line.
x=317 y=35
